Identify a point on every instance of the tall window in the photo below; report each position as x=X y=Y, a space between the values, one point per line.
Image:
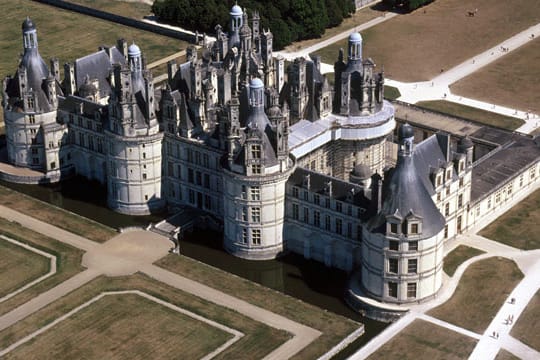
x=316 y=199
x=411 y=290
x=339 y=226
x=295 y=211
x=256 y=168
x=317 y=218
x=256 y=215
x=447 y=209
x=460 y=201
x=256 y=236
x=393 y=245
x=393 y=265
x=306 y=215
x=392 y=289
x=256 y=151
x=412 y=266
x=244 y=236
x=393 y=228
x=327 y=224
x=339 y=206
x=295 y=192
x=244 y=214
x=414 y=228
x=413 y=245
x=255 y=193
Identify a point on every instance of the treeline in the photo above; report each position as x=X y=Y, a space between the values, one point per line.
x=406 y=4
x=289 y=20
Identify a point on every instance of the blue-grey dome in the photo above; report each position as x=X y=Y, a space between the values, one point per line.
x=256 y=83
x=355 y=37
x=134 y=50
x=28 y=25
x=236 y=11
x=405 y=131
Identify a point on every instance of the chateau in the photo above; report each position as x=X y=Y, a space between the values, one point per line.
x=282 y=158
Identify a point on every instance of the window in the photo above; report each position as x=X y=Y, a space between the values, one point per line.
x=414 y=228
x=35 y=161
x=144 y=155
x=521 y=180
x=256 y=215
x=295 y=192
x=393 y=228
x=316 y=199
x=448 y=174
x=392 y=289
x=255 y=193
x=461 y=165
x=489 y=203
x=413 y=245
x=393 y=265
x=191 y=196
x=411 y=290
x=447 y=209
x=339 y=206
x=190 y=176
x=144 y=176
x=34 y=151
x=256 y=236
x=446 y=231
x=256 y=151
x=393 y=245
x=317 y=218
x=339 y=226
x=327 y=224
x=244 y=236
x=244 y=214
x=243 y=191
x=497 y=197
x=532 y=172
x=359 y=232
x=306 y=215
x=439 y=180
x=198 y=178
x=461 y=182
x=448 y=191
x=145 y=197
x=412 y=266
x=256 y=168
x=327 y=203
x=51 y=144
x=509 y=189
x=295 y=211
x=53 y=165
x=460 y=201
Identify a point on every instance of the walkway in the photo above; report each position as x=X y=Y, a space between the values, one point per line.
x=135 y=251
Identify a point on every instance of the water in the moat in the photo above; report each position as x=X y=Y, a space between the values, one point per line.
x=307 y=280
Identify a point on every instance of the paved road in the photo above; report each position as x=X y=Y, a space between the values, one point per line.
x=135 y=251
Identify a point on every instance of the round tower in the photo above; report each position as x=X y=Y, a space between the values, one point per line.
x=254 y=185
x=402 y=248
x=30 y=110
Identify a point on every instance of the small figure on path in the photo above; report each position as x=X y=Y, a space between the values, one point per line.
x=513 y=300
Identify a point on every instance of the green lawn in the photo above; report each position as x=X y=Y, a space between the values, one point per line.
x=333 y=327
x=125 y=327
x=130 y=319
x=458 y=256
x=391 y=93
x=68 y=262
x=470 y=113
x=518 y=227
x=53 y=215
x=19 y=266
x=482 y=290
x=422 y=340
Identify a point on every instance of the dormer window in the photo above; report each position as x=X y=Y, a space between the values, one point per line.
x=461 y=165
x=394 y=228
x=448 y=174
x=414 y=229
x=438 y=180
x=256 y=151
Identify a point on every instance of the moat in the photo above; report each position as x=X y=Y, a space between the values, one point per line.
x=307 y=280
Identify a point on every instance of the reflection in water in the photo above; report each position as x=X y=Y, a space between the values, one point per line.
x=293 y=275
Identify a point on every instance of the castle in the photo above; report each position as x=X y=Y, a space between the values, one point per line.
x=283 y=159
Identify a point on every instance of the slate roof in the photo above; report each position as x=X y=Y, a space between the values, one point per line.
x=98 y=66
x=496 y=170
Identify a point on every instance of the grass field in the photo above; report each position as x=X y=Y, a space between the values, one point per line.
x=518 y=227
x=505 y=355
x=55 y=216
x=391 y=93
x=333 y=327
x=467 y=112
x=416 y=46
x=259 y=339
x=458 y=256
x=19 y=266
x=527 y=327
x=125 y=326
x=480 y=293
x=423 y=340
x=68 y=262
x=511 y=81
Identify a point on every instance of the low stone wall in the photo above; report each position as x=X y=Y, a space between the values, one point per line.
x=120 y=20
